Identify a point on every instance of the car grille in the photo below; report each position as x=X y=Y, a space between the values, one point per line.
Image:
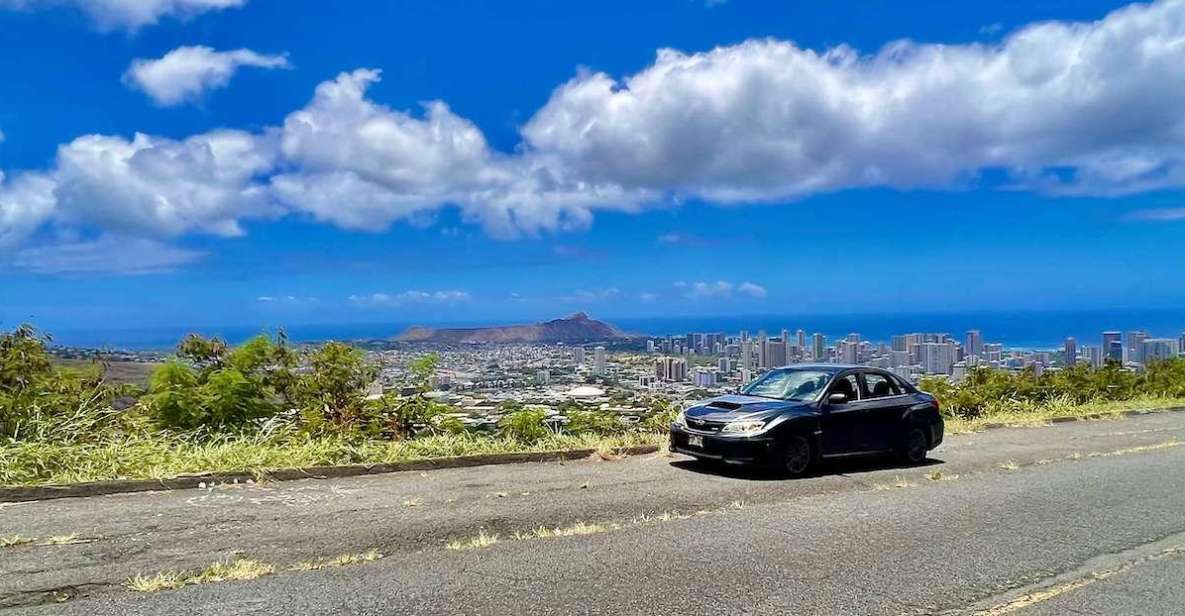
x=703 y=426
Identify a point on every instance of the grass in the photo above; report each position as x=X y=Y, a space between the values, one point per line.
x=481 y=541
x=222 y=571
x=1040 y=414
x=11 y=541
x=579 y=528
x=144 y=457
x=340 y=561
x=238 y=569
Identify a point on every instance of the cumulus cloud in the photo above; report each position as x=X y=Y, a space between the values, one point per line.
x=411 y=297
x=362 y=166
x=1082 y=107
x=152 y=186
x=1063 y=108
x=129 y=14
x=752 y=290
x=106 y=255
x=26 y=203
x=187 y=73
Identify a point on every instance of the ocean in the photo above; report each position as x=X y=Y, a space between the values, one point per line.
x=1028 y=330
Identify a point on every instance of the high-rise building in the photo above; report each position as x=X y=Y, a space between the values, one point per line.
x=704 y=378
x=578 y=355
x=746 y=355
x=599 y=367
x=1159 y=349
x=800 y=336
x=1071 y=351
x=1093 y=355
x=819 y=347
x=974 y=345
x=1181 y=344
x=849 y=352
x=1135 y=345
x=723 y=366
x=936 y=357
x=1112 y=347
x=670 y=369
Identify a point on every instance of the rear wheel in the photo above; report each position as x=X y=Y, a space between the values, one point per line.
x=916 y=446
x=797 y=455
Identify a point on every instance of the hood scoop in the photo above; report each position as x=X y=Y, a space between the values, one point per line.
x=728 y=406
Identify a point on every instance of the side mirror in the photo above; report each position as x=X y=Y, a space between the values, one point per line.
x=837 y=398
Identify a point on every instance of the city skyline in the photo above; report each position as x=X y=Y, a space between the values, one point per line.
x=227 y=209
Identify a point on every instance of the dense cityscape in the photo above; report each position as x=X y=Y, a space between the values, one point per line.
x=627 y=376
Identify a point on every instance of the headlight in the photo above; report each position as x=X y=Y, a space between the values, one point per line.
x=681 y=419
x=743 y=427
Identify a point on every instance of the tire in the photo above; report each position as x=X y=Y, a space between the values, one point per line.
x=915 y=445
x=798 y=456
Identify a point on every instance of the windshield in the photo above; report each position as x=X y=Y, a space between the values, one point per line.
x=796 y=385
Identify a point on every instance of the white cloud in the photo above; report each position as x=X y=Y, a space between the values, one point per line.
x=187 y=73
x=26 y=203
x=411 y=297
x=720 y=289
x=751 y=290
x=593 y=295
x=106 y=255
x=129 y=14
x=361 y=165
x=1085 y=107
x=152 y=186
x=1159 y=215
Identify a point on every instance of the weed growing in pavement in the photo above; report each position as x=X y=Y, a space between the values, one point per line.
x=481 y=541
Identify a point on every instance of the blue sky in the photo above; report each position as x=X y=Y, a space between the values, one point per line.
x=571 y=167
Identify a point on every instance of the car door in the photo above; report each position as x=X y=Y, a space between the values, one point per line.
x=884 y=405
x=841 y=421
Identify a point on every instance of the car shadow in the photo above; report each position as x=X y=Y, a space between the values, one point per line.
x=851 y=466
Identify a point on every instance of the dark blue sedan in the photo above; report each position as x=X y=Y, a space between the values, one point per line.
x=792 y=417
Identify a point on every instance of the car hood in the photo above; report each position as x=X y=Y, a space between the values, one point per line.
x=738 y=407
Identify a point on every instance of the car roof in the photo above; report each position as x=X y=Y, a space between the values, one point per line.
x=831 y=368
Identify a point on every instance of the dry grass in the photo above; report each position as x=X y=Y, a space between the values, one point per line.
x=941 y=476
x=340 y=561
x=12 y=541
x=579 y=528
x=1010 y=465
x=222 y=571
x=481 y=541
x=64 y=540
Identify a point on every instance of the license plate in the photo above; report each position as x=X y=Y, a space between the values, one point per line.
x=695 y=441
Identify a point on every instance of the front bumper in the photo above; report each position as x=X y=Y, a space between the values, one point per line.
x=733 y=450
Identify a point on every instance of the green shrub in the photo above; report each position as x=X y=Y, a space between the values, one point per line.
x=595 y=422
x=525 y=426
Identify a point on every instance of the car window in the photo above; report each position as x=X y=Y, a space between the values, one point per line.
x=795 y=385
x=846 y=385
x=879 y=386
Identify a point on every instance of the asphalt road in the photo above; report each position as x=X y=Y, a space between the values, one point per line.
x=1079 y=518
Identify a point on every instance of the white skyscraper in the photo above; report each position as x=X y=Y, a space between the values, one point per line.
x=599 y=367
x=1071 y=351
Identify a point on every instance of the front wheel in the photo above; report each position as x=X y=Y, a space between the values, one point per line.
x=797 y=456
x=916 y=446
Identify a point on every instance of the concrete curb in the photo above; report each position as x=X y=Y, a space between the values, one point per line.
x=20 y=494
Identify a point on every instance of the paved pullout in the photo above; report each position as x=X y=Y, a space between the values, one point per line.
x=1083 y=516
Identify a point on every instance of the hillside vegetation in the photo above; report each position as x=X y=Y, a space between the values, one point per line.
x=269 y=404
